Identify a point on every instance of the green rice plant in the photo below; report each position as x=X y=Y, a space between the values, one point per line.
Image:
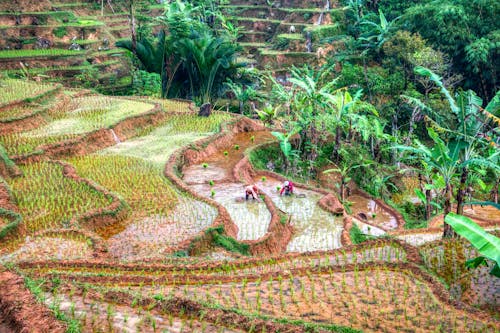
x=47 y=199
x=12 y=90
x=38 y=53
x=139 y=183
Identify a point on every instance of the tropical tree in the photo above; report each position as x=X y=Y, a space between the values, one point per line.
x=187 y=47
x=344 y=169
x=285 y=145
x=309 y=96
x=377 y=33
x=471 y=129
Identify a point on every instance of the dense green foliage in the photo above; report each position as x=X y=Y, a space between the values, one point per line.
x=192 y=56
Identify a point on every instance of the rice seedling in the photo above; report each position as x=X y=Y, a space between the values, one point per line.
x=12 y=90
x=48 y=199
x=17 y=54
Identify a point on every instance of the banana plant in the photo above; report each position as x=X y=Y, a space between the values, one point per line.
x=285 y=145
x=486 y=244
x=268 y=113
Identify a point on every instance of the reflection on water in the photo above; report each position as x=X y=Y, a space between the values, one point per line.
x=251 y=217
x=315 y=229
x=375 y=214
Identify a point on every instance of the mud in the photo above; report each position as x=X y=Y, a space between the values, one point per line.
x=315 y=228
x=21 y=311
x=372 y=212
x=250 y=216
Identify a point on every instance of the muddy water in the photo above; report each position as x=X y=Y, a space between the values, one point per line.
x=220 y=165
x=251 y=217
x=376 y=214
x=369 y=229
x=315 y=229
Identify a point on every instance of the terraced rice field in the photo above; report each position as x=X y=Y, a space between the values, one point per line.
x=139 y=224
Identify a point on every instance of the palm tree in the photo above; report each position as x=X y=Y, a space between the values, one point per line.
x=155 y=57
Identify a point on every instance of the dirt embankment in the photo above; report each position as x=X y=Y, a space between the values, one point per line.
x=144 y=266
x=34 y=117
x=25 y=6
x=21 y=311
x=408 y=268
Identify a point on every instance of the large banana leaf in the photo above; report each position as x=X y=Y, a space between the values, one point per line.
x=486 y=244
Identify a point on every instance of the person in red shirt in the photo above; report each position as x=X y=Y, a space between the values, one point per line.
x=287 y=188
x=252 y=190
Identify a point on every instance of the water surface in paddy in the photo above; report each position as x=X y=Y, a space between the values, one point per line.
x=220 y=165
x=251 y=217
x=376 y=215
x=315 y=228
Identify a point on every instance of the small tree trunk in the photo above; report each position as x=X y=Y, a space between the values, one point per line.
x=428 y=206
x=342 y=189
x=494 y=191
x=241 y=106
x=336 y=148
x=132 y=27
x=461 y=191
x=448 y=231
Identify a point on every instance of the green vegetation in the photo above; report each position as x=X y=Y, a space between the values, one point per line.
x=49 y=200
x=385 y=115
x=228 y=243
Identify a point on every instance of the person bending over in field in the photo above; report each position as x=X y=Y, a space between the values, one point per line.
x=287 y=188
x=252 y=190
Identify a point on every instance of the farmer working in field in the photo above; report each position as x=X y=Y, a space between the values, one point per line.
x=287 y=188
x=252 y=190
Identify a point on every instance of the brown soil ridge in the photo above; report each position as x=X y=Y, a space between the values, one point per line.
x=181 y=307
x=95 y=140
x=32 y=120
x=21 y=310
x=411 y=252
x=435 y=221
x=410 y=269
x=19 y=102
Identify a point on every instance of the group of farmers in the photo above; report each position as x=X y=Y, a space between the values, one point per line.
x=253 y=191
